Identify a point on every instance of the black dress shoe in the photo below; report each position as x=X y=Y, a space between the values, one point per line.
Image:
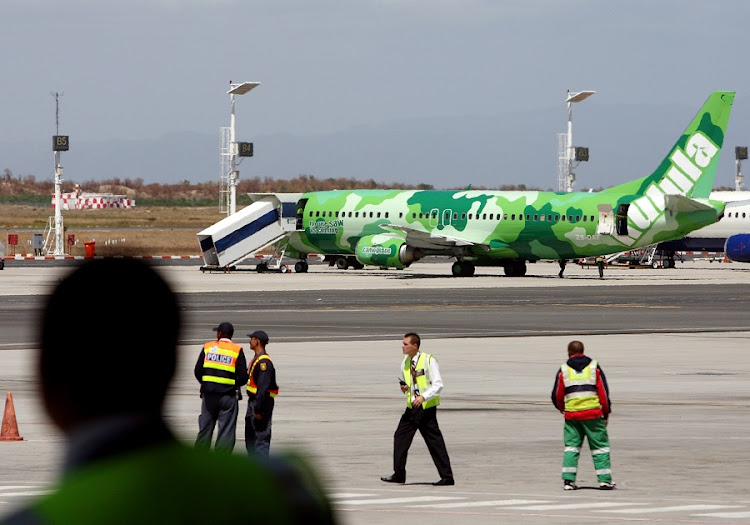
x=393 y=479
x=444 y=481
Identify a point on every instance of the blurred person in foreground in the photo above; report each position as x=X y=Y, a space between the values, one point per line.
x=105 y=391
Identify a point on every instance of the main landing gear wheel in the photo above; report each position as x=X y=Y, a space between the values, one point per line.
x=462 y=269
x=301 y=267
x=342 y=263
x=261 y=267
x=515 y=268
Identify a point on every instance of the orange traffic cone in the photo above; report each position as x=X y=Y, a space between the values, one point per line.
x=10 y=426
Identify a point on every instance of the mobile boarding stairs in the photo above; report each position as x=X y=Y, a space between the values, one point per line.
x=270 y=218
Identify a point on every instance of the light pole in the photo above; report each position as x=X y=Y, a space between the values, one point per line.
x=235 y=89
x=740 y=154
x=59 y=143
x=572 y=97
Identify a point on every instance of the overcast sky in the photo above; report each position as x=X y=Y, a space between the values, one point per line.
x=145 y=68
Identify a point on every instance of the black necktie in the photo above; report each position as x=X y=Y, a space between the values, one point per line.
x=414 y=378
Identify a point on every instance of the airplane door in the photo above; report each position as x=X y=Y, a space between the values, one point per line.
x=434 y=215
x=301 y=214
x=606 y=220
x=621 y=219
x=447 y=214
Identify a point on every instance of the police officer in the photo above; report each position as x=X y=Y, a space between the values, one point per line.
x=261 y=391
x=221 y=370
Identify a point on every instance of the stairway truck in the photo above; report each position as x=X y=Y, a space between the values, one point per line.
x=246 y=232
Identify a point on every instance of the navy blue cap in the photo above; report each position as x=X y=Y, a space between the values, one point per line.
x=260 y=335
x=225 y=328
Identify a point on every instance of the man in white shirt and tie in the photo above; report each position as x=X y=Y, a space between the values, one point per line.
x=421 y=382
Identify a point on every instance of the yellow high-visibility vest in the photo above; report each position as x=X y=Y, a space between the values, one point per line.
x=252 y=388
x=220 y=362
x=422 y=379
x=580 y=388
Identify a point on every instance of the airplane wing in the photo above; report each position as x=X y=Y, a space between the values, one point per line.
x=430 y=241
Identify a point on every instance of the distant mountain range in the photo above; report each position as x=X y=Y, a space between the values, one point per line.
x=484 y=151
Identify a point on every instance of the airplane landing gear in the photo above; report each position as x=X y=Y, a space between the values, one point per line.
x=346 y=262
x=515 y=268
x=462 y=269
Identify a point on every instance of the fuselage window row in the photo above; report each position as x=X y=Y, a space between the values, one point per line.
x=484 y=216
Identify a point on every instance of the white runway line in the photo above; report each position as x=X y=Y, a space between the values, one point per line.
x=491 y=503
x=582 y=505
x=23 y=494
x=727 y=515
x=389 y=501
x=678 y=508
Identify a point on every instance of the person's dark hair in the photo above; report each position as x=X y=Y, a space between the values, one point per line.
x=108 y=342
x=413 y=338
x=575 y=347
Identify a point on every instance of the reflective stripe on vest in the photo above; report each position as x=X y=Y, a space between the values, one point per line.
x=220 y=362
x=252 y=388
x=580 y=388
x=423 y=381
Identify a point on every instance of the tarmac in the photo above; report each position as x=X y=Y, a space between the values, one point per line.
x=679 y=430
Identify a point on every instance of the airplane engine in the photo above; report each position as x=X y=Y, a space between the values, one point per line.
x=737 y=247
x=386 y=250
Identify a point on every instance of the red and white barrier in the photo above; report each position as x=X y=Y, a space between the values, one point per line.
x=93 y=201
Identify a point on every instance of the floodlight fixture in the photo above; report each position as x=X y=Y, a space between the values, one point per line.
x=241 y=89
x=579 y=96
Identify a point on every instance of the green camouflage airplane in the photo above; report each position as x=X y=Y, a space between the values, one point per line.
x=394 y=228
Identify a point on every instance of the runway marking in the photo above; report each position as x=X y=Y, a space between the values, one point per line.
x=583 y=505
x=388 y=501
x=491 y=503
x=728 y=515
x=23 y=494
x=428 y=502
x=678 y=508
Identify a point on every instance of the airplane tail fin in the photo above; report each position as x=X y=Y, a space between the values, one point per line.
x=689 y=168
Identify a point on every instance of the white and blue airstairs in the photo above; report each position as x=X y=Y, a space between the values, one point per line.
x=270 y=218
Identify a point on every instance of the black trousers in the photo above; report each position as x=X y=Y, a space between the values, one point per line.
x=424 y=420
